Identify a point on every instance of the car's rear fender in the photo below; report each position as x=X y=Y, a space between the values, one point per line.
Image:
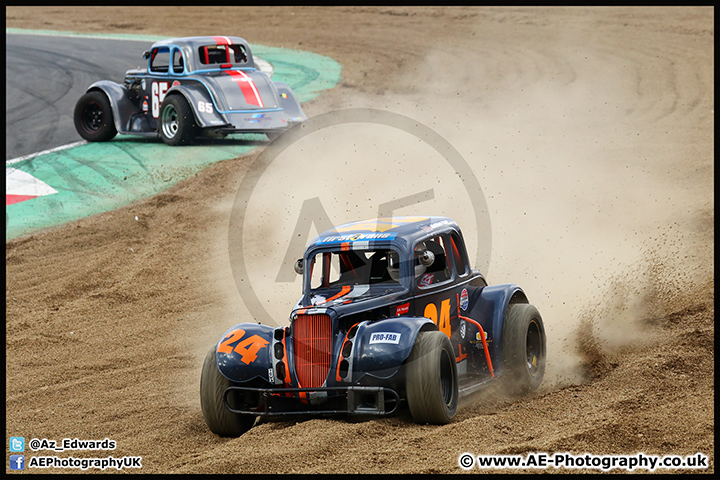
x=122 y=107
x=490 y=309
x=202 y=105
x=289 y=103
x=242 y=90
x=244 y=353
x=380 y=347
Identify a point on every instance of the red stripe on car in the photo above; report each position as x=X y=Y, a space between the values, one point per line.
x=222 y=40
x=249 y=90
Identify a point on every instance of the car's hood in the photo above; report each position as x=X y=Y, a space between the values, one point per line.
x=242 y=90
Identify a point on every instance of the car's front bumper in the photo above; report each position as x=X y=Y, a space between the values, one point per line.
x=346 y=400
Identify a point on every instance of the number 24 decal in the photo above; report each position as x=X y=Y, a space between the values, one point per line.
x=432 y=313
x=247 y=349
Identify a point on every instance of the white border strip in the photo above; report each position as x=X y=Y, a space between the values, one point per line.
x=107 y=36
x=45 y=152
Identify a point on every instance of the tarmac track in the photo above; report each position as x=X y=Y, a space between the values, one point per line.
x=40 y=112
x=591 y=132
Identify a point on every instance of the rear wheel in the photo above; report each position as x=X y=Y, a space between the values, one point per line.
x=524 y=349
x=432 y=382
x=212 y=388
x=93 y=117
x=177 y=124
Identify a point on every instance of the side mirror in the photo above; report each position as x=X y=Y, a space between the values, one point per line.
x=299 y=266
x=146 y=54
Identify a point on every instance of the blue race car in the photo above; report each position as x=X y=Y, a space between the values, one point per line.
x=391 y=316
x=191 y=86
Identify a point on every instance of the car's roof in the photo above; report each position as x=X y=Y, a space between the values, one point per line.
x=201 y=40
x=394 y=229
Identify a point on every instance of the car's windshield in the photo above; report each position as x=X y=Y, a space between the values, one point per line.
x=354 y=267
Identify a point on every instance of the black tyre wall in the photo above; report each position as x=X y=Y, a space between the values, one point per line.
x=93 y=117
x=432 y=363
x=218 y=418
x=524 y=349
x=184 y=117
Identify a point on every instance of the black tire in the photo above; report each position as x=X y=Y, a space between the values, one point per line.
x=176 y=124
x=93 y=117
x=524 y=349
x=218 y=418
x=432 y=381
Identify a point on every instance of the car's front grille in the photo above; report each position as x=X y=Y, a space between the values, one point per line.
x=311 y=342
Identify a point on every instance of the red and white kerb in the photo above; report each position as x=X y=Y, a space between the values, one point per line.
x=21 y=186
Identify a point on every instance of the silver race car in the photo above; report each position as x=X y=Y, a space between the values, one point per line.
x=191 y=86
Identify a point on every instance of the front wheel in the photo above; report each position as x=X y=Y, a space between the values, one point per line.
x=432 y=381
x=177 y=124
x=219 y=419
x=524 y=349
x=93 y=117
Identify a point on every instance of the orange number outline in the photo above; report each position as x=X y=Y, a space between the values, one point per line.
x=231 y=337
x=431 y=312
x=247 y=349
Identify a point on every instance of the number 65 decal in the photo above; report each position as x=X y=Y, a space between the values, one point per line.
x=247 y=349
x=205 y=107
x=157 y=91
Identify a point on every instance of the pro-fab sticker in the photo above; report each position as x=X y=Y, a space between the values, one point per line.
x=385 y=337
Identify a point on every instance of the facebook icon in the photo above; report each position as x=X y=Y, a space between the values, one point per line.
x=17 y=462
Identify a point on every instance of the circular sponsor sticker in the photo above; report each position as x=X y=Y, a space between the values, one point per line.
x=464 y=299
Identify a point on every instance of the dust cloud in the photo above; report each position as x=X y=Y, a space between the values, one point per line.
x=556 y=139
x=590 y=131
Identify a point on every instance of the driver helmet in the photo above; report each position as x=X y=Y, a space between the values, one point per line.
x=419 y=253
x=394 y=265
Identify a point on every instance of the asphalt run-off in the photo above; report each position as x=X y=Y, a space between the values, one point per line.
x=60 y=185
